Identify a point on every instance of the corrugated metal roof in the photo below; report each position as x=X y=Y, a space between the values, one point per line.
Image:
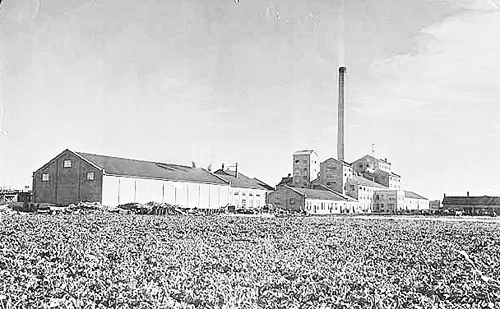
x=471 y=200
x=242 y=181
x=148 y=169
x=410 y=194
x=319 y=194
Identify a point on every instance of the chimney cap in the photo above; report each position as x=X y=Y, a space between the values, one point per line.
x=342 y=69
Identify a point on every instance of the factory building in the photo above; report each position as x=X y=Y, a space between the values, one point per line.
x=472 y=204
x=377 y=170
x=362 y=190
x=73 y=177
x=313 y=201
x=388 y=201
x=391 y=201
x=334 y=174
x=369 y=184
x=244 y=192
x=387 y=179
x=369 y=163
x=305 y=167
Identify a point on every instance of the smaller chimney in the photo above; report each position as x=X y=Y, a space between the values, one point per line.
x=236 y=172
x=467 y=193
x=222 y=167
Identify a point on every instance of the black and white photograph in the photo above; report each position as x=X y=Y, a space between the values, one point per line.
x=280 y=154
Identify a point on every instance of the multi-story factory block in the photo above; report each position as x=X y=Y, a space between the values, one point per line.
x=334 y=174
x=305 y=167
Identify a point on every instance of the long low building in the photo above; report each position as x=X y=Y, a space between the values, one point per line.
x=472 y=204
x=314 y=201
x=73 y=177
x=390 y=201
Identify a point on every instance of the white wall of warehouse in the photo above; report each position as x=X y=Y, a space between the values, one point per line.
x=121 y=190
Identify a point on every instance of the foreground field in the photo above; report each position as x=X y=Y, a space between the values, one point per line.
x=99 y=260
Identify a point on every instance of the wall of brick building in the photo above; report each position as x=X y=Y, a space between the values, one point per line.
x=364 y=164
x=305 y=169
x=388 y=201
x=331 y=175
x=67 y=185
x=286 y=198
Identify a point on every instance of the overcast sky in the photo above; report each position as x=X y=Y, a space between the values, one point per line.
x=215 y=81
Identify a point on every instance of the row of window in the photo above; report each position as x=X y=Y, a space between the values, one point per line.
x=331 y=206
x=244 y=194
x=90 y=176
x=388 y=204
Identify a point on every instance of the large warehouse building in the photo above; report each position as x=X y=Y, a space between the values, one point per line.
x=73 y=177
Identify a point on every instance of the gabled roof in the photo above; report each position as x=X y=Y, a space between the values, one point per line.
x=319 y=194
x=300 y=152
x=153 y=170
x=242 y=181
x=61 y=154
x=373 y=158
x=265 y=185
x=410 y=194
x=362 y=181
x=471 y=200
x=341 y=161
x=323 y=187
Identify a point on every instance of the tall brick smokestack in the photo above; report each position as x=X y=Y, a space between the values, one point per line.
x=340 y=138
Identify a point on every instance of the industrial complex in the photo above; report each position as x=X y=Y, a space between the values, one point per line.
x=314 y=186
x=365 y=185
x=332 y=186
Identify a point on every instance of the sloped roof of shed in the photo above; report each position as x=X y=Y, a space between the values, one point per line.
x=411 y=194
x=148 y=169
x=471 y=200
x=319 y=194
x=362 y=181
x=242 y=181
